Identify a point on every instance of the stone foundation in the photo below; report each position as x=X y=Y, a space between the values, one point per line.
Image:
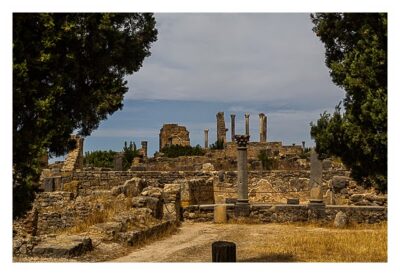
x=281 y=213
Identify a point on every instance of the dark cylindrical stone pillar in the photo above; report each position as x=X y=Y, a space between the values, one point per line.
x=223 y=251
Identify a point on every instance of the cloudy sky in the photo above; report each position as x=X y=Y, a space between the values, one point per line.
x=235 y=63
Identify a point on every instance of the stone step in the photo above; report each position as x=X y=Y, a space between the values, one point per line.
x=63 y=247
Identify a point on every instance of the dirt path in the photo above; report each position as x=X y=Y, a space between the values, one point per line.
x=192 y=243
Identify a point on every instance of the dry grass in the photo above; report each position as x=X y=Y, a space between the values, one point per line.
x=357 y=243
x=111 y=209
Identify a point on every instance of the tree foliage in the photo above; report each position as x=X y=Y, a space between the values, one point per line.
x=100 y=158
x=173 y=151
x=68 y=75
x=129 y=153
x=267 y=162
x=356 y=55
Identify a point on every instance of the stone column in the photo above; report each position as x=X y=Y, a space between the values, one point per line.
x=233 y=127
x=221 y=130
x=242 y=207
x=247 y=117
x=263 y=127
x=144 y=149
x=206 y=138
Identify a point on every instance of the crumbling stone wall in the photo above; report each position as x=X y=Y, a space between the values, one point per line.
x=173 y=134
x=281 y=213
x=75 y=157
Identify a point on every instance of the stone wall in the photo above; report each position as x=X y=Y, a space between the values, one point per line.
x=74 y=158
x=173 y=134
x=266 y=213
x=274 y=186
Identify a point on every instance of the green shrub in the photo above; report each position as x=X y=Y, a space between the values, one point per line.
x=173 y=151
x=99 y=159
x=129 y=153
x=218 y=145
x=267 y=162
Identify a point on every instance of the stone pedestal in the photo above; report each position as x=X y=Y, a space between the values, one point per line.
x=220 y=213
x=242 y=207
x=316 y=209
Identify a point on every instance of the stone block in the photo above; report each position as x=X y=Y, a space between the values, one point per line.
x=292 y=201
x=242 y=209
x=316 y=193
x=220 y=215
x=63 y=247
x=341 y=220
x=339 y=182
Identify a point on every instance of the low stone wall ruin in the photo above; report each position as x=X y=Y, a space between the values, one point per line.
x=281 y=213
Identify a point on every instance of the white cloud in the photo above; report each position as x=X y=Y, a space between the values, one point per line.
x=234 y=57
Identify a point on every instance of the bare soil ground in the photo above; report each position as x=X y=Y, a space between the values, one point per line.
x=268 y=243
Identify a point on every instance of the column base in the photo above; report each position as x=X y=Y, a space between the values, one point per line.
x=242 y=208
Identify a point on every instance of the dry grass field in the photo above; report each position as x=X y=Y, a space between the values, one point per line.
x=269 y=243
x=360 y=243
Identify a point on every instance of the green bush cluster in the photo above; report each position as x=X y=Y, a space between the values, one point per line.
x=173 y=151
x=100 y=158
x=218 y=145
x=267 y=162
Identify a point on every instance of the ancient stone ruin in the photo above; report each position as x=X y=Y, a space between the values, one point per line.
x=157 y=193
x=173 y=134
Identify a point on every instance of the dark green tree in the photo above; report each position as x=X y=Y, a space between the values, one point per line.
x=100 y=158
x=68 y=75
x=129 y=153
x=356 y=55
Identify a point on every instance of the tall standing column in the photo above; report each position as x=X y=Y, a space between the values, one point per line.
x=206 y=138
x=233 y=127
x=263 y=127
x=242 y=207
x=247 y=121
x=144 y=149
x=221 y=130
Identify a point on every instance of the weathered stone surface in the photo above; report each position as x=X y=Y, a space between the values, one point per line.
x=134 y=186
x=316 y=193
x=152 y=192
x=220 y=213
x=207 y=167
x=329 y=198
x=173 y=134
x=63 y=247
x=153 y=203
x=316 y=169
x=326 y=164
x=339 y=182
x=293 y=201
x=74 y=158
x=341 y=220
x=115 y=191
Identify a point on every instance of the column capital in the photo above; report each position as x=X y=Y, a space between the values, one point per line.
x=233 y=115
x=242 y=140
x=205 y=130
x=246 y=115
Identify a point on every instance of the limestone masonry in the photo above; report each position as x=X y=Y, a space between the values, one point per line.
x=157 y=193
x=173 y=134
